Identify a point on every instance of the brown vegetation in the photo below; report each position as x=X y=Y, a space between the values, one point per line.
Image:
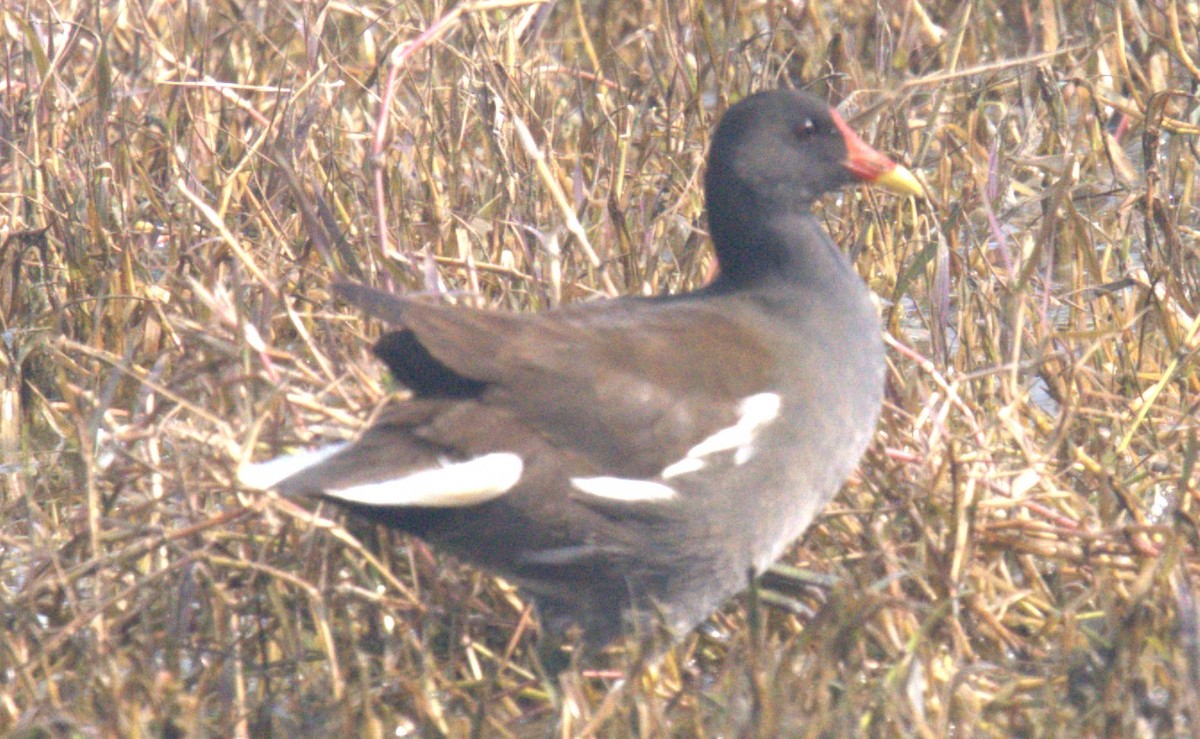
x=180 y=182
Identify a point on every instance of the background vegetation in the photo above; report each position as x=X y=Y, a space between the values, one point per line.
x=180 y=182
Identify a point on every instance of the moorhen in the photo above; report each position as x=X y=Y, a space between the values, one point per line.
x=632 y=462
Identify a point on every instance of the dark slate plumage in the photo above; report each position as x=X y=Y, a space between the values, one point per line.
x=632 y=460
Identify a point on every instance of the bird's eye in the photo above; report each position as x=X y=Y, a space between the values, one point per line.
x=806 y=127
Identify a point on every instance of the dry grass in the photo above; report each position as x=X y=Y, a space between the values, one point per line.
x=180 y=183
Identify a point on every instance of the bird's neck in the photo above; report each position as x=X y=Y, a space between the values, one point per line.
x=790 y=246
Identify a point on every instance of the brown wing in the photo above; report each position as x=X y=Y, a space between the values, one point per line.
x=630 y=390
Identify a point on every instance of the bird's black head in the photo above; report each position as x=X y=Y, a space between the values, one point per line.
x=780 y=146
x=776 y=152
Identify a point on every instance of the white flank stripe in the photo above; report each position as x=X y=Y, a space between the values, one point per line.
x=266 y=475
x=754 y=413
x=744 y=454
x=682 y=467
x=454 y=485
x=620 y=488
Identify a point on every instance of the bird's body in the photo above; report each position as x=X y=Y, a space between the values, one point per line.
x=633 y=461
